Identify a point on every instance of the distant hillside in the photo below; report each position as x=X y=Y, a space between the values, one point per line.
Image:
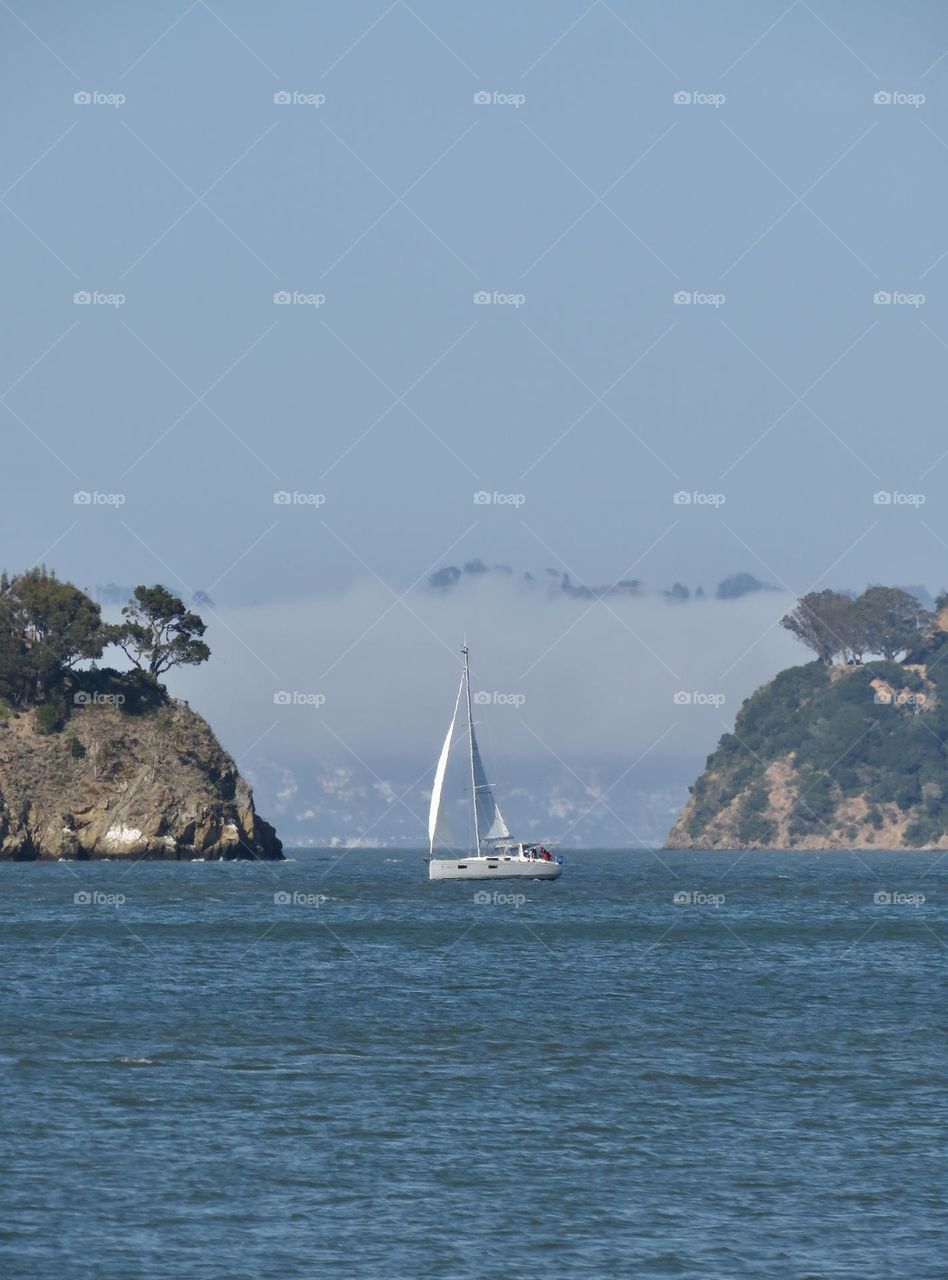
x=846 y=757
x=837 y=753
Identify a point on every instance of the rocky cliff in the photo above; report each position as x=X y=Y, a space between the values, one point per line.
x=110 y=783
x=849 y=756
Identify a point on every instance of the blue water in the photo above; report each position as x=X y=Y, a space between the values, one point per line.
x=391 y=1079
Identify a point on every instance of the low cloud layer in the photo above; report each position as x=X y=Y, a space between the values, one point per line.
x=338 y=704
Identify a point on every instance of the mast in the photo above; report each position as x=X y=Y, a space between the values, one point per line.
x=470 y=740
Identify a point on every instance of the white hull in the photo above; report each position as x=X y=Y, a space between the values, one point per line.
x=503 y=867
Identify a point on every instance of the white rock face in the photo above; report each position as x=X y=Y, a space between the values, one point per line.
x=123 y=835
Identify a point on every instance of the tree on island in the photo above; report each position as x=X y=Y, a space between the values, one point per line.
x=817 y=619
x=883 y=620
x=892 y=619
x=47 y=627
x=160 y=632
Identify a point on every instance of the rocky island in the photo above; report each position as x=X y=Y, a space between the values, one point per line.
x=101 y=763
x=847 y=751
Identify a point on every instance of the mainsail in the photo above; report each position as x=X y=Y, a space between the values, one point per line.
x=437 y=830
x=490 y=821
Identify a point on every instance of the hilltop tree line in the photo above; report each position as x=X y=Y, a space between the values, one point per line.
x=116 y=593
x=49 y=627
x=556 y=582
x=883 y=620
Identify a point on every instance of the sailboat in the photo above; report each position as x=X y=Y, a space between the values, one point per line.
x=496 y=854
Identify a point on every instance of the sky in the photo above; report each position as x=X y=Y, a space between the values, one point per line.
x=304 y=301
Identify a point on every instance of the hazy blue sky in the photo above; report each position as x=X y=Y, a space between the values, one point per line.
x=797 y=198
x=780 y=191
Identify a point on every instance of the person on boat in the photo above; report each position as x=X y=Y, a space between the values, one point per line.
x=545 y=854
